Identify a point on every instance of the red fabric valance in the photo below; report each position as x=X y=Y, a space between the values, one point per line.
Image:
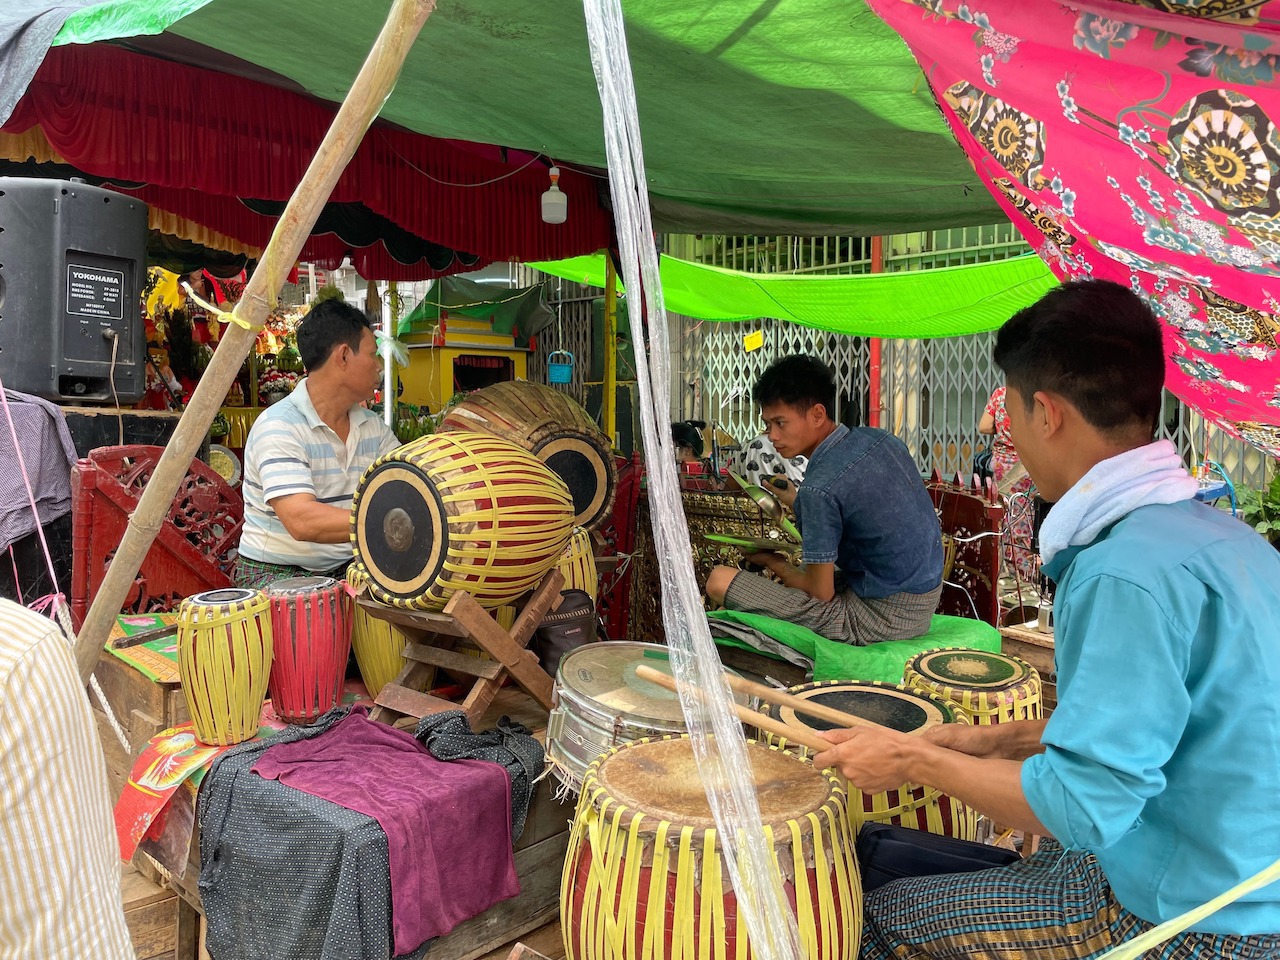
x=199 y=139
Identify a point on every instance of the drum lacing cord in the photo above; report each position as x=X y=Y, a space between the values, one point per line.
x=56 y=602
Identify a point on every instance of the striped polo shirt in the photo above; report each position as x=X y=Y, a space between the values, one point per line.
x=60 y=866
x=291 y=450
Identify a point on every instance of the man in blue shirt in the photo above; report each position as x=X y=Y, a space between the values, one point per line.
x=1158 y=772
x=872 y=547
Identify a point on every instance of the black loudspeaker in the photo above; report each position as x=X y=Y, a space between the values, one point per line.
x=627 y=414
x=72 y=266
x=626 y=353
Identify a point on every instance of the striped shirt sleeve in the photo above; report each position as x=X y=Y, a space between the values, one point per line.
x=60 y=871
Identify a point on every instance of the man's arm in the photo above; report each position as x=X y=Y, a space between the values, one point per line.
x=309 y=521
x=875 y=760
x=818 y=580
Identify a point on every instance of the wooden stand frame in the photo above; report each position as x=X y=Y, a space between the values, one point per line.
x=435 y=634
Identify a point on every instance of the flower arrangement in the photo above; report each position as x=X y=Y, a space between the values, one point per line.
x=272 y=381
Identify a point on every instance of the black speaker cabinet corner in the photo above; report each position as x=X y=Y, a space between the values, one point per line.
x=72 y=268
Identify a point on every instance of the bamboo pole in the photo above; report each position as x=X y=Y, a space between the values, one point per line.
x=372 y=87
x=609 y=390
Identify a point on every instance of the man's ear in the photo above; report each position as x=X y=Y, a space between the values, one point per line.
x=1047 y=414
x=818 y=413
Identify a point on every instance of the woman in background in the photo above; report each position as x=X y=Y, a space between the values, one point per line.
x=1015 y=486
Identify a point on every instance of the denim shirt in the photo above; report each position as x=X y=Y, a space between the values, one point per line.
x=863 y=507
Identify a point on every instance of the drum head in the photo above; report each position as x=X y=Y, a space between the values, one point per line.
x=291 y=586
x=402 y=534
x=603 y=676
x=970 y=669
x=890 y=706
x=225 y=597
x=660 y=779
x=588 y=472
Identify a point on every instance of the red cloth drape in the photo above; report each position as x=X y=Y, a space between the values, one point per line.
x=198 y=139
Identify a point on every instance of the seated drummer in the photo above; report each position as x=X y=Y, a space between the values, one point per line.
x=1159 y=770
x=872 y=548
x=306 y=454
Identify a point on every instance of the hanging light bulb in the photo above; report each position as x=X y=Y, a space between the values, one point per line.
x=555 y=205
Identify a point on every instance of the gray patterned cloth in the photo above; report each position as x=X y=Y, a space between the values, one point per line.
x=48 y=454
x=448 y=736
x=285 y=875
x=847 y=618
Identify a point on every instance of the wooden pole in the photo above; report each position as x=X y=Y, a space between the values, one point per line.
x=372 y=87
x=609 y=389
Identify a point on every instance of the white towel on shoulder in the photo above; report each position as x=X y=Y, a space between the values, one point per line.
x=1113 y=488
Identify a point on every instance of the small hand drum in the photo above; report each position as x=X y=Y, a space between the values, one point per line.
x=311 y=629
x=989 y=687
x=224 y=659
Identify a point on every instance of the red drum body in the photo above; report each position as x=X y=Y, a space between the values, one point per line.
x=311 y=630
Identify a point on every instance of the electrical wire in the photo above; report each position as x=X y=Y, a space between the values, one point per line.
x=445 y=183
x=114 y=337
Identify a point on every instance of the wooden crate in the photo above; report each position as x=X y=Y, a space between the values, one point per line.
x=1037 y=649
x=150 y=911
x=143 y=707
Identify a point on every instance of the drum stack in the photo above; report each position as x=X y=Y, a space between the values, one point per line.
x=458 y=511
x=556 y=430
x=899 y=708
x=644 y=874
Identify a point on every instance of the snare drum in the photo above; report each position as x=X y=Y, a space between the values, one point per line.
x=458 y=511
x=311 y=632
x=600 y=703
x=554 y=428
x=224 y=659
x=644 y=874
x=989 y=687
x=900 y=708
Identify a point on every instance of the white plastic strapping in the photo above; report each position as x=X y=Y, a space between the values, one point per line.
x=718 y=743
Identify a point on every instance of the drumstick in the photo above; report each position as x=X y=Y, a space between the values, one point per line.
x=806 y=738
x=798 y=704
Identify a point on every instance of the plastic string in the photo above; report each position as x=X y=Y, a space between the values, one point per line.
x=723 y=765
x=55 y=605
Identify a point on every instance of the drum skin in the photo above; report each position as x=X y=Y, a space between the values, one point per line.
x=458 y=511
x=644 y=873
x=900 y=708
x=553 y=427
x=989 y=687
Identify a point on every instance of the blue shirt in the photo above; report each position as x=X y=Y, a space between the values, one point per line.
x=291 y=450
x=1163 y=755
x=863 y=507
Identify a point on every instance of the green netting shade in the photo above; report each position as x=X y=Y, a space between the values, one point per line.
x=946 y=302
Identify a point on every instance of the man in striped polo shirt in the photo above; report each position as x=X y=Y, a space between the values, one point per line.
x=306 y=454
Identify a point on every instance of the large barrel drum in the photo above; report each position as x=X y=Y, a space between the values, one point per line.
x=458 y=511
x=554 y=428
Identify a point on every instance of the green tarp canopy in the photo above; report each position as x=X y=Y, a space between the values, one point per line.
x=805 y=117
x=946 y=302
x=521 y=311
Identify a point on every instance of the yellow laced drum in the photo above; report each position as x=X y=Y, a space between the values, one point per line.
x=378 y=645
x=458 y=511
x=900 y=708
x=554 y=428
x=989 y=687
x=224 y=659
x=578 y=564
x=644 y=875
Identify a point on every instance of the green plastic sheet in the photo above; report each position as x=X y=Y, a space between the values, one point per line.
x=883 y=661
x=945 y=302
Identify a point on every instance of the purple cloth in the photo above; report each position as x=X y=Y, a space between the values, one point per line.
x=49 y=455
x=448 y=825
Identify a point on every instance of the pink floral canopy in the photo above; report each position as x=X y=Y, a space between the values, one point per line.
x=1136 y=141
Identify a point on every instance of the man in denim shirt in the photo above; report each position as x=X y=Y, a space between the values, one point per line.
x=872 y=548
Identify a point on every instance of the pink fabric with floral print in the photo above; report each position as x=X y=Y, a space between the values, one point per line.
x=1135 y=142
